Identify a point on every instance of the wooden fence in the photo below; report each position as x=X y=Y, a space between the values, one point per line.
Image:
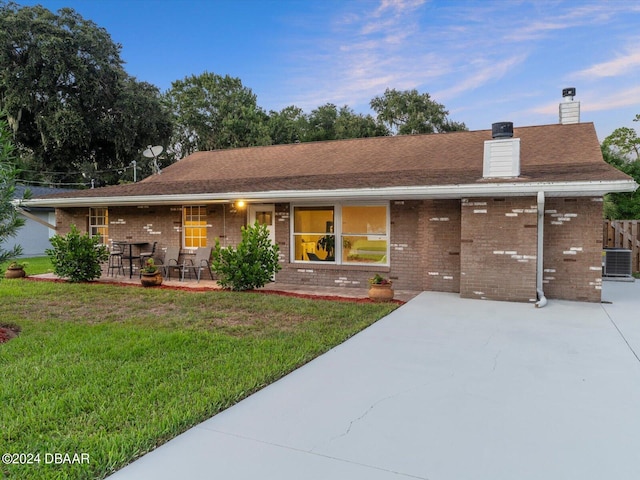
x=624 y=234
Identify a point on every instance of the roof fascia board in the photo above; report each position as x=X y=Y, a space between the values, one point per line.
x=586 y=188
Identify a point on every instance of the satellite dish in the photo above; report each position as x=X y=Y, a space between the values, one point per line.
x=153 y=152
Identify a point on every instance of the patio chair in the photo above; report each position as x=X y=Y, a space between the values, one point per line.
x=170 y=261
x=146 y=255
x=201 y=261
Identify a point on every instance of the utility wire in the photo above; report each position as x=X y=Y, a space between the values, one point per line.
x=76 y=173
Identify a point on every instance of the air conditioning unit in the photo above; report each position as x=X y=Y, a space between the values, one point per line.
x=617 y=262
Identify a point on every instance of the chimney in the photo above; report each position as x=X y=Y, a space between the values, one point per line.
x=502 y=154
x=569 y=108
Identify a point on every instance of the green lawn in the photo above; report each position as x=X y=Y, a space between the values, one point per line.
x=33 y=266
x=112 y=372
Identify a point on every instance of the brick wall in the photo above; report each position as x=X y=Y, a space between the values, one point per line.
x=498 y=248
x=71 y=216
x=405 y=256
x=573 y=248
x=440 y=245
x=406 y=241
x=480 y=247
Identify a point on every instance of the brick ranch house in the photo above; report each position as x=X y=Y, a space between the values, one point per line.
x=514 y=218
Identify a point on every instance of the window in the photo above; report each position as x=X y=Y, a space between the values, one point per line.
x=343 y=234
x=194 y=226
x=313 y=235
x=99 y=224
x=364 y=234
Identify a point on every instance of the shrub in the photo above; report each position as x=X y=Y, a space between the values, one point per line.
x=77 y=257
x=251 y=265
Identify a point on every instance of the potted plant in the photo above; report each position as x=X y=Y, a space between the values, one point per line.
x=380 y=288
x=15 y=270
x=328 y=244
x=150 y=274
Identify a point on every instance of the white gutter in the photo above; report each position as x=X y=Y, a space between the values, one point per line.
x=504 y=189
x=542 y=300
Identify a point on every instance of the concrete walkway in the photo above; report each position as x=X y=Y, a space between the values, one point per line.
x=444 y=388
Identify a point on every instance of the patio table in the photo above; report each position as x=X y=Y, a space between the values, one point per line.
x=131 y=256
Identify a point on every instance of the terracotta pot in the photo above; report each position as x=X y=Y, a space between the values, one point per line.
x=381 y=293
x=151 y=279
x=14 y=273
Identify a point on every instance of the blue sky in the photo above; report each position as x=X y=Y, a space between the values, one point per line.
x=486 y=61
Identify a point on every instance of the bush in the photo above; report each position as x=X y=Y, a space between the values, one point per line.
x=77 y=257
x=251 y=265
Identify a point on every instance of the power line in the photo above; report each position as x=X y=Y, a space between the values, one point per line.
x=76 y=173
x=36 y=182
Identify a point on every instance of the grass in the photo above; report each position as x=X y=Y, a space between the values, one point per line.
x=33 y=266
x=114 y=371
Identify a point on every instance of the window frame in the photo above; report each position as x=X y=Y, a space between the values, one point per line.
x=105 y=225
x=202 y=217
x=338 y=234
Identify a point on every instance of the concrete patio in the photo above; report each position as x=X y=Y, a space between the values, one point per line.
x=443 y=388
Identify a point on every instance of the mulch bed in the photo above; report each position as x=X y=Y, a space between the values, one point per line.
x=8 y=331
x=205 y=289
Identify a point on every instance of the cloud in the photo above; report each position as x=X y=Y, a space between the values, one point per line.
x=620 y=99
x=621 y=65
x=489 y=71
x=577 y=16
x=595 y=101
x=365 y=53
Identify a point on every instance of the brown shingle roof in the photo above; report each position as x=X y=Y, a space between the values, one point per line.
x=549 y=153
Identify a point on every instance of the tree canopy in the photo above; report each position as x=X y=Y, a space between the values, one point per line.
x=67 y=98
x=213 y=112
x=409 y=112
x=77 y=116
x=622 y=150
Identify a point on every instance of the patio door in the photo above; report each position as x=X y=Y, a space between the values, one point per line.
x=265 y=214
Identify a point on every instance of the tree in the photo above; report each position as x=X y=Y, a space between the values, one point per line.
x=409 y=112
x=67 y=97
x=10 y=221
x=214 y=112
x=622 y=205
x=352 y=125
x=321 y=123
x=624 y=141
x=287 y=125
x=328 y=122
x=622 y=150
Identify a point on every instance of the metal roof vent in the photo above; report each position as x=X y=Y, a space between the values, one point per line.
x=502 y=130
x=569 y=108
x=502 y=154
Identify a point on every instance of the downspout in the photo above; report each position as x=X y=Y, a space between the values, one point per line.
x=542 y=300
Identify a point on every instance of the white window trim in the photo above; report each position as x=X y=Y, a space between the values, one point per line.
x=337 y=231
x=184 y=228
x=105 y=225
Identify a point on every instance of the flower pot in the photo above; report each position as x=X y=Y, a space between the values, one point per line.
x=151 y=279
x=381 y=293
x=15 y=272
